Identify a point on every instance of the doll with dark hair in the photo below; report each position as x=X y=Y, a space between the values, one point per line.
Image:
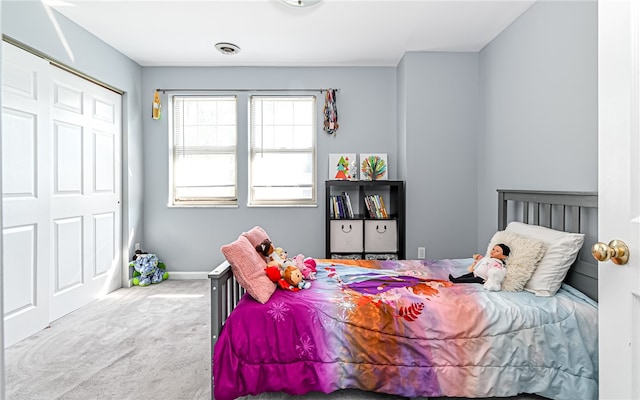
x=479 y=270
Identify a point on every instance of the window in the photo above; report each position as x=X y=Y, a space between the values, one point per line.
x=282 y=159
x=203 y=171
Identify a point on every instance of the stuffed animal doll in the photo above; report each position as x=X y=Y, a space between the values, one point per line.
x=306 y=265
x=273 y=272
x=290 y=278
x=281 y=253
x=495 y=278
x=269 y=252
x=293 y=276
x=265 y=248
x=147 y=269
x=287 y=273
x=479 y=269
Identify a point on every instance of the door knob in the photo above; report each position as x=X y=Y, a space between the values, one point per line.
x=616 y=250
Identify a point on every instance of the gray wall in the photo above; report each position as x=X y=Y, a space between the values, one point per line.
x=189 y=239
x=539 y=106
x=440 y=119
x=29 y=23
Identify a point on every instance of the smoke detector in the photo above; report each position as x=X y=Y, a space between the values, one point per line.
x=227 y=48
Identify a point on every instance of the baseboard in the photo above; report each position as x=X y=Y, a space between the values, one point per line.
x=179 y=275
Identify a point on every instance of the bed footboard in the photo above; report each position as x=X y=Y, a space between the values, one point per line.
x=225 y=295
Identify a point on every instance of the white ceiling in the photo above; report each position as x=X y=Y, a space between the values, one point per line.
x=270 y=33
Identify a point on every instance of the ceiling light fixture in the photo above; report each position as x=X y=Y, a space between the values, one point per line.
x=301 y=3
x=227 y=48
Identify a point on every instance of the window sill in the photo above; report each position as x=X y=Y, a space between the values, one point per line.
x=187 y=205
x=282 y=205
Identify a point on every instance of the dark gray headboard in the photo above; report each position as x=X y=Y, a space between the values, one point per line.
x=563 y=211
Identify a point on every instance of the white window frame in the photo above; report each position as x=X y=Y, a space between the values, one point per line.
x=176 y=200
x=256 y=149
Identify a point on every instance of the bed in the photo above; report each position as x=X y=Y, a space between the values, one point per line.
x=401 y=327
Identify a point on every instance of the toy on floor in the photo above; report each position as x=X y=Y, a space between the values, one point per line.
x=147 y=269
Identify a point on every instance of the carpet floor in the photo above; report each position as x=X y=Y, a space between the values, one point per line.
x=136 y=343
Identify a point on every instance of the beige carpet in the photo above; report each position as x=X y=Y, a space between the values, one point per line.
x=138 y=343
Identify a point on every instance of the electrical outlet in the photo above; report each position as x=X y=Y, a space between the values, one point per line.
x=422 y=253
x=137 y=247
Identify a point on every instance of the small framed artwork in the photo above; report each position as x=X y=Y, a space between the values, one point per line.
x=343 y=166
x=373 y=167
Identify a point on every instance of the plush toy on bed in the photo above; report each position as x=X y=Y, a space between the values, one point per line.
x=293 y=276
x=289 y=278
x=489 y=270
x=494 y=279
x=147 y=269
x=290 y=274
x=306 y=265
x=267 y=249
x=281 y=253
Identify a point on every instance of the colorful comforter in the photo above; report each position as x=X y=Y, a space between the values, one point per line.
x=401 y=327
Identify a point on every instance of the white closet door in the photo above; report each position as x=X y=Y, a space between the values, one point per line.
x=26 y=187
x=62 y=171
x=86 y=191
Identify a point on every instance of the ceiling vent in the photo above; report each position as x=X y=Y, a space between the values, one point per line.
x=301 y=3
x=227 y=48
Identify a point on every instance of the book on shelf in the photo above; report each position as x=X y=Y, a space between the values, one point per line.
x=367 y=202
x=383 y=209
x=375 y=206
x=348 y=203
x=332 y=208
x=340 y=206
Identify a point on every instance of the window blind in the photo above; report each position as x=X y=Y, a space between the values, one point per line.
x=282 y=150
x=204 y=149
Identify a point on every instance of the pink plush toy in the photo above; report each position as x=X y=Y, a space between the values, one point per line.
x=306 y=265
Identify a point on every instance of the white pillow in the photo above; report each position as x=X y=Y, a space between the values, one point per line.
x=521 y=263
x=562 y=250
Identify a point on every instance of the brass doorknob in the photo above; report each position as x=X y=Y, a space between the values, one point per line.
x=616 y=250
